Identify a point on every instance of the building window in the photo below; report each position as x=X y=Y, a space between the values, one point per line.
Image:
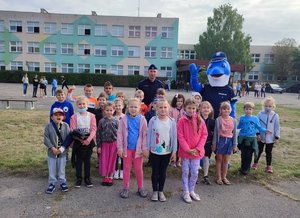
x=253 y=75
x=150 y=31
x=117 y=51
x=167 y=32
x=67 y=48
x=84 y=49
x=66 y=29
x=50 y=67
x=2 y=48
x=83 y=68
x=133 y=70
x=33 y=27
x=16 y=65
x=166 y=52
x=150 y=52
x=135 y=31
x=146 y=71
x=100 y=68
x=50 y=48
x=268 y=76
x=50 y=28
x=1 y=25
x=67 y=68
x=84 y=30
x=15 y=26
x=166 y=71
x=2 y=65
x=33 y=47
x=16 y=46
x=33 y=66
x=117 y=69
x=186 y=55
x=269 y=59
x=255 y=58
x=101 y=30
x=133 y=51
x=100 y=50
x=117 y=30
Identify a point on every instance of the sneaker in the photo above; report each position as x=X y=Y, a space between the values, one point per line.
x=142 y=193
x=162 y=197
x=104 y=182
x=254 y=166
x=195 y=196
x=124 y=193
x=88 y=182
x=121 y=174
x=50 y=189
x=110 y=181
x=186 y=197
x=206 y=180
x=178 y=164
x=269 y=169
x=64 y=187
x=78 y=183
x=116 y=174
x=154 y=196
x=173 y=164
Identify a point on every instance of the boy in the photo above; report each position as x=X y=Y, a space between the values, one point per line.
x=121 y=95
x=61 y=103
x=108 y=88
x=247 y=137
x=55 y=134
x=140 y=95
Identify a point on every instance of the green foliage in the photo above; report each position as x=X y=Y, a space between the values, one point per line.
x=224 y=33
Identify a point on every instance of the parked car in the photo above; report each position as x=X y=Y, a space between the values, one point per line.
x=274 y=88
x=294 y=88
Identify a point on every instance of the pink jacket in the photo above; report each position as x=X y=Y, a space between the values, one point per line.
x=176 y=114
x=122 y=138
x=93 y=127
x=189 y=138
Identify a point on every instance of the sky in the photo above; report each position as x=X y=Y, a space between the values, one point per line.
x=266 y=21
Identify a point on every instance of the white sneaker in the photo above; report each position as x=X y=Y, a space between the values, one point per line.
x=162 y=197
x=195 y=196
x=121 y=174
x=116 y=174
x=186 y=197
x=154 y=196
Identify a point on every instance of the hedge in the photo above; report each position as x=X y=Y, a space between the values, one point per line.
x=74 y=78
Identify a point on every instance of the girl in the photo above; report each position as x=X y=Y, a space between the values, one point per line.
x=162 y=142
x=176 y=112
x=224 y=142
x=119 y=103
x=269 y=120
x=83 y=122
x=197 y=98
x=107 y=143
x=132 y=145
x=192 y=135
x=207 y=113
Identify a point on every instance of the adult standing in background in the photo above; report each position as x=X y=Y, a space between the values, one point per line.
x=35 y=84
x=46 y=84
x=64 y=83
x=150 y=85
x=25 y=82
x=54 y=87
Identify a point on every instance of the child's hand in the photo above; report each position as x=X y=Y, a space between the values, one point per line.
x=173 y=157
x=213 y=148
x=145 y=153
x=54 y=151
x=258 y=138
x=99 y=150
x=276 y=141
x=268 y=132
x=121 y=154
x=234 y=149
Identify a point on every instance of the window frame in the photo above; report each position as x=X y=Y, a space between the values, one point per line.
x=69 y=47
x=151 y=31
x=117 y=31
x=151 y=50
x=18 y=47
x=51 y=47
x=119 y=50
x=102 y=31
x=50 y=67
x=68 y=66
x=17 y=26
x=102 y=49
x=33 y=47
x=67 y=29
x=33 y=27
x=50 y=28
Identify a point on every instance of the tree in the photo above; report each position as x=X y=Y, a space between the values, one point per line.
x=283 y=51
x=296 y=62
x=224 y=33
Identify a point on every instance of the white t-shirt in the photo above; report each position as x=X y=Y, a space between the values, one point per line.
x=162 y=139
x=83 y=123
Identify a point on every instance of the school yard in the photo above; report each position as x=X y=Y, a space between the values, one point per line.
x=23 y=174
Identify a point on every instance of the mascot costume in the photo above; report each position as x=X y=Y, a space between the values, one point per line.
x=218 y=90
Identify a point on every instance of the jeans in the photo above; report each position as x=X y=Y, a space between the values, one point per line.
x=25 y=86
x=35 y=88
x=60 y=165
x=53 y=91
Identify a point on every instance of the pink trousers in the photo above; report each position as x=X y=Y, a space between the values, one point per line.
x=108 y=158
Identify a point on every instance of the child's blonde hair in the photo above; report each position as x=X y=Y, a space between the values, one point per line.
x=269 y=100
x=249 y=105
x=160 y=102
x=119 y=100
x=120 y=93
x=109 y=104
x=191 y=101
x=161 y=91
x=102 y=95
x=139 y=92
x=82 y=98
x=225 y=105
x=206 y=103
x=134 y=100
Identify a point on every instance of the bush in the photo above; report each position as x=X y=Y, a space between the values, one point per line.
x=73 y=78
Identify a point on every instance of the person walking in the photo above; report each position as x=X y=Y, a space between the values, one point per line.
x=25 y=82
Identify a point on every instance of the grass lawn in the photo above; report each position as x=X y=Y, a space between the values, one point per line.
x=24 y=154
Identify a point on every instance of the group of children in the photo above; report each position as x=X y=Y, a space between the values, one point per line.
x=127 y=131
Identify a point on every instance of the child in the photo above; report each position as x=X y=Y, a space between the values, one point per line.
x=83 y=122
x=161 y=94
x=56 y=153
x=269 y=119
x=107 y=143
x=162 y=142
x=132 y=145
x=102 y=100
x=140 y=95
x=192 y=135
x=122 y=95
x=176 y=112
x=197 y=98
x=247 y=136
x=108 y=88
x=207 y=113
x=224 y=142
x=54 y=87
x=119 y=115
x=63 y=104
x=152 y=111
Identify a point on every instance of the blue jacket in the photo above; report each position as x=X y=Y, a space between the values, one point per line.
x=67 y=107
x=249 y=125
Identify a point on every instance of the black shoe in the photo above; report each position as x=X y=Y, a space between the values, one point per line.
x=244 y=173
x=206 y=180
x=88 y=183
x=78 y=183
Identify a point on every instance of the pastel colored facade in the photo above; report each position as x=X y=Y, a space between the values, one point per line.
x=50 y=42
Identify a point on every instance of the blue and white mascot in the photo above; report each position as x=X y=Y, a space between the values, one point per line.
x=218 y=90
